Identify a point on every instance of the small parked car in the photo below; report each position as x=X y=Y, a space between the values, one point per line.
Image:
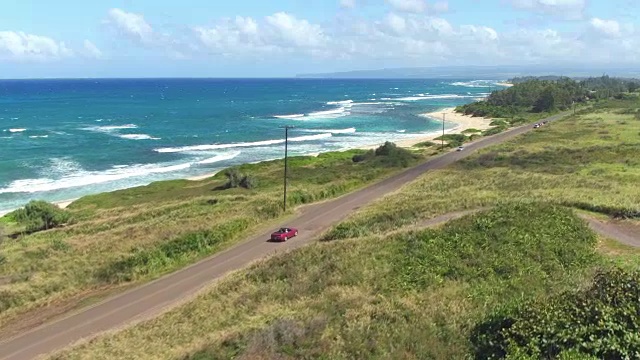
x=460 y=148
x=284 y=234
x=536 y=126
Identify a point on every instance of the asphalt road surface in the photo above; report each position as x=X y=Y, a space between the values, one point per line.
x=149 y=299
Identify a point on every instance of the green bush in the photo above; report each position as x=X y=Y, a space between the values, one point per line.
x=494 y=130
x=471 y=131
x=602 y=321
x=387 y=155
x=387 y=149
x=363 y=157
x=425 y=144
x=236 y=179
x=453 y=140
x=40 y=215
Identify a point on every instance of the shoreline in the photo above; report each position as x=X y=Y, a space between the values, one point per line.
x=461 y=122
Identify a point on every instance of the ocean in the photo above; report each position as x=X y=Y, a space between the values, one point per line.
x=63 y=139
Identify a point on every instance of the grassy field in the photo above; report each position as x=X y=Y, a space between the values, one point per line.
x=419 y=293
x=130 y=236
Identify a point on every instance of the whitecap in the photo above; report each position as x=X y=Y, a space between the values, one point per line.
x=242 y=144
x=219 y=158
x=343 y=102
x=38 y=136
x=110 y=128
x=428 y=97
x=79 y=178
x=17 y=130
x=138 y=137
x=332 y=131
x=476 y=83
x=328 y=114
x=294 y=116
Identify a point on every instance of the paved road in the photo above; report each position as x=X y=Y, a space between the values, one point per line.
x=147 y=300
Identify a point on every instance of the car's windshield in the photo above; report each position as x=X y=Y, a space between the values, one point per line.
x=283 y=230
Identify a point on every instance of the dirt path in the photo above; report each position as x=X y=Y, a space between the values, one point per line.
x=620 y=231
x=150 y=299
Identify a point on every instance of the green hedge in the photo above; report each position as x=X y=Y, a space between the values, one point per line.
x=601 y=322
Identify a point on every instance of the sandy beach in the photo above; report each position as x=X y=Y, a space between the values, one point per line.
x=462 y=122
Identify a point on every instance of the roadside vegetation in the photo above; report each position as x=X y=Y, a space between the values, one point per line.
x=115 y=239
x=501 y=283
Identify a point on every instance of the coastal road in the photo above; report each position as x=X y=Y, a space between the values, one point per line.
x=149 y=299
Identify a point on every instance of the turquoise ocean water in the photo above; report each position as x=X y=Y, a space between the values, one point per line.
x=62 y=139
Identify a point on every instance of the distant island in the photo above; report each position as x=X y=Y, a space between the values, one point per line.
x=477 y=72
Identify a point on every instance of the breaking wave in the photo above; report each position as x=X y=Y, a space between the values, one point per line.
x=332 y=131
x=138 y=137
x=78 y=177
x=219 y=158
x=242 y=144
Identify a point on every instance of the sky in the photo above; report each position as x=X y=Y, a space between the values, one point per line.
x=282 y=38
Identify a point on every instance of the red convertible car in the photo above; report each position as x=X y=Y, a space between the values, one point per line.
x=284 y=234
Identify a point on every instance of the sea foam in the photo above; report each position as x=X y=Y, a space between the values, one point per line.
x=138 y=137
x=79 y=177
x=219 y=158
x=243 y=144
x=17 y=130
x=332 y=131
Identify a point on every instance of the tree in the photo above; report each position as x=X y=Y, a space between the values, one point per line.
x=546 y=101
x=40 y=215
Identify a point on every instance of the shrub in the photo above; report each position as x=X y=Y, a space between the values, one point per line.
x=498 y=122
x=493 y=131
x=40 y=215
x=454 y=140
x=471 y=131
x=387 y=149
x=601 y=321
x=363 y=157
x=236 y=179
x=425 y=144
x=387 y=155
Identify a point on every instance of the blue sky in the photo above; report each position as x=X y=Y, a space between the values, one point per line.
x=255 y=38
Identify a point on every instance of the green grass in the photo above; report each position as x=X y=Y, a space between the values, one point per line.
x=138 y=234
x=371 y=297
x=388 y=289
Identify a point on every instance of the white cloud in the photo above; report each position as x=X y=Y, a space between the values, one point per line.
x=131 y=25
x=294 y=31
x=20 y=46
x=348 y=4
x=568 y=9
x=280 y=32
x=412 y=36
x=440 y=7
x=91 y=50
x=606 y=27
x=412 y=6
x=396 y=23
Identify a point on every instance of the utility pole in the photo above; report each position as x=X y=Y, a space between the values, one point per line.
x=286 y=146
x=442 y=138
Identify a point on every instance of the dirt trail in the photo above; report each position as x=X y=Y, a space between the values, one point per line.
x=625 y=233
